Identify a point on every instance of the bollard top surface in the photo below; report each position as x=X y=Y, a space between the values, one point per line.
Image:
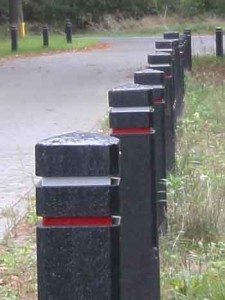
x=166 y=68
x=131 y=95
x=79 y=139
x=77 y=154
x=149 y=77
x=187 y=31
x=182 y=38
x=13 y=26
x=159 y=58
x=171 y=35
x=167 y=44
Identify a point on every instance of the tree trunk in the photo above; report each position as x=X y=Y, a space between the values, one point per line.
x=15 y=11
x=20 y=11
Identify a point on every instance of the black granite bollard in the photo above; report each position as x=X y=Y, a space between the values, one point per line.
x=14 y=37
x=68 y=31
x=149 y=77
x=172 y=46
x=78 y=239
x=131 y=120
x=182 y=49
x=45 y=33
x=187 y=33
x=219 y=42
x=163 y=62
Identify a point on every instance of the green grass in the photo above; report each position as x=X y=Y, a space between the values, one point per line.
x=34 y=45
x=193 y=252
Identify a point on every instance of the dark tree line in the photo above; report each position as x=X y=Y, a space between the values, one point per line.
x=93 y=10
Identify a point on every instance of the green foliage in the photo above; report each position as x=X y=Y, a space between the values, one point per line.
x=84 y=13
x=34 y=45
x=192 y=254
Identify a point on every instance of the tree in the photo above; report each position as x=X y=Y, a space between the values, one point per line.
x=15 y=11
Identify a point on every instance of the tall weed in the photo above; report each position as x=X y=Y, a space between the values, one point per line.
x=192 y=254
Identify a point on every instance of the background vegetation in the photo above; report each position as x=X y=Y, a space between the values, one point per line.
x=85 y=13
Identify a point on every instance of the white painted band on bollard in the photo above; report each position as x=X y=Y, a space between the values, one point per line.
x=76 y=181
x=135 y=109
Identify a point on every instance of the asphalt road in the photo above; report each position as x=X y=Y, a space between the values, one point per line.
x=50 y=95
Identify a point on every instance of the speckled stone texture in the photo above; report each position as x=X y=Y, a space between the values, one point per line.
x=78 y=262
x=171 y=35
x=159 y=58
x=150 y=78
x=156 y=61
x=178 y=71
x=139 y=240
x=76 y=154
x=77 y=201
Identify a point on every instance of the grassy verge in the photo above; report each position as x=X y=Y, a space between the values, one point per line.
x=122 y=27
x=155 y=25
x=193 y=253
x=18 y=261
x=34 y=45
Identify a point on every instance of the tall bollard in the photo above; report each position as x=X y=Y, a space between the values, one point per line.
x=187 y=33
x=78 y=238
x=219 y=42
x=131 y=120
x=155 y=79
x=45 y=32
x=14 y=37
x=68 y=31
x=172 y=46
x=182 y=49
x=163 y=62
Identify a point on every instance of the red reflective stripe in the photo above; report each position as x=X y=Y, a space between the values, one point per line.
x=78 y=221
x=168 y=76
x=132 y=131
x=158 y=100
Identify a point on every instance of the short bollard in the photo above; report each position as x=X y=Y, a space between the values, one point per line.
x=68 y=31
x=187 y=33
x=14 y=37
x=45 y=32
x=131 y=121
x=156 y=80
x=219 y=42
x=78 y=238
x=163 y=62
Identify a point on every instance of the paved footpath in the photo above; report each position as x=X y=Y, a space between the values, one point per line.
x=50 y=95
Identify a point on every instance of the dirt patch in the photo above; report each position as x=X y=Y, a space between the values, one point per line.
x=101 y=46
x=18 y=264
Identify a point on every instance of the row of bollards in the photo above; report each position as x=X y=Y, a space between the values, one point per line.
x=84 y=251
x=68 y=32
x=45 y=35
